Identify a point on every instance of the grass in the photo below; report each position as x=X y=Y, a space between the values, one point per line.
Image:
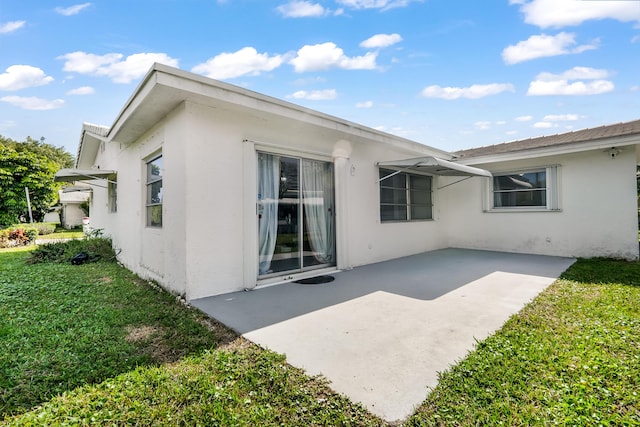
x=572 y=357
x=94 y=345
x=62 y=234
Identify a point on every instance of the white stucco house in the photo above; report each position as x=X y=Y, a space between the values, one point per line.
x=209 y=188
x=71 y=200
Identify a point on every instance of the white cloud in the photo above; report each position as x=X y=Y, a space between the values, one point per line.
x=562 y=13
x=11 y=26
x=18 y=77
x=246 y=61
x=635 y=39
x=83 y=90
x=365 y=104
x=544 y=125
x=111 y=65
x=561 y=117
x=524 y=118
x=72 y=10
x=324 y=56
x=381 y=40
x=375 y=4
x=316 y=95
x=7 y=124
x=33 y=103
x=88 y=63
x=136 y=66
x=540 y=46
x=471 y=92
x=482 y=125
x=301 y=9
x=486 y=125
x=576 y=73
x=576 y=81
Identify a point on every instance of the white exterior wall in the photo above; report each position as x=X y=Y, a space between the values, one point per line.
x=153 y=253
x=221 y=197
x=208 y=242
x=597 y=214
x=72 y=214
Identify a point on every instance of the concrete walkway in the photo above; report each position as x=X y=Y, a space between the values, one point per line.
x=381 y=333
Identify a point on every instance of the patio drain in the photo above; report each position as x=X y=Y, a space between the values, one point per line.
x=316 y=280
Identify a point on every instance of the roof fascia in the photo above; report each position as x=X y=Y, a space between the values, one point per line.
x=135 y=100
x=88 y=147
x=193 y=85
x=597 y=144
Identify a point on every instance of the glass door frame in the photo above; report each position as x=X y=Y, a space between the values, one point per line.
x=300 y=217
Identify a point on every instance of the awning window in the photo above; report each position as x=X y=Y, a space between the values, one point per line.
x=71 y=175
x=433 y=166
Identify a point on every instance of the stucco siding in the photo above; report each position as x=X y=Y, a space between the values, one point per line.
x=370 y=240
x=209 y=134
x=213 y=201
x=221 y=218
x=596 y=217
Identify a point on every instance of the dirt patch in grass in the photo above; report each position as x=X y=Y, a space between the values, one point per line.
x=152 y=342
x=140 y=333
x=223 y=334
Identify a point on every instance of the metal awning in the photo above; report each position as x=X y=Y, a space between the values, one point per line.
x=70 y=175
x=433 y=165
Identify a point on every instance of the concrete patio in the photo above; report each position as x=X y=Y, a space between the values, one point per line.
x=381 y=333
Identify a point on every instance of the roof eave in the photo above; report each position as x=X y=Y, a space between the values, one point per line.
x=195 y=88
x=553 y=150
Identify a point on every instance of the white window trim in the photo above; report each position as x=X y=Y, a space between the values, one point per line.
x=552 y=191
x=148 y=161
x=112 y=196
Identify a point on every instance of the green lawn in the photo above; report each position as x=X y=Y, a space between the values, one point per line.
x=60 y=234
x=572 y=357
x=95 y=345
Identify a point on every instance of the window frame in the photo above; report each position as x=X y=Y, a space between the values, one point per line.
x=408 y=189
x=551 y=190
x=150 y=180
x=112 y=195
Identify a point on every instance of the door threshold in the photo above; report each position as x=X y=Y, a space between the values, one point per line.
x=292 y=277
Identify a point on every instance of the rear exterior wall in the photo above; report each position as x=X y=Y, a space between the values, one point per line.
x=597 y=213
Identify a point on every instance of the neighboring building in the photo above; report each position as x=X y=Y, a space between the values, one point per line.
x=209 y=188
x=72 y=200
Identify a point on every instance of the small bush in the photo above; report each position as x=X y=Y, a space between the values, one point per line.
x=17 y=236
x=97 y=249
x=44 y=228
x=31 y=233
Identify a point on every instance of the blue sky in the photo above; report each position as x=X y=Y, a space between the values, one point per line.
x=448 y=74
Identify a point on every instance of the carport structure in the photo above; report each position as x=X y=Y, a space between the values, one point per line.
x=381 y=333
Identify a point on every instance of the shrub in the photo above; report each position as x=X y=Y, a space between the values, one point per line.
x=44 y=228
x=31 y=233
x=17 y=236
x=97 y=249
x=4 y=238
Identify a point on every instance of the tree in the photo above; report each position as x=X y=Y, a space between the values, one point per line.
x=56 y=154
x=30 y=164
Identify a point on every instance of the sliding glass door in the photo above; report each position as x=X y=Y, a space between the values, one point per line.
x=296 y=229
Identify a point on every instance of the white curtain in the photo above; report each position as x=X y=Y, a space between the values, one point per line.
x=268 y=187
x=317 y=193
